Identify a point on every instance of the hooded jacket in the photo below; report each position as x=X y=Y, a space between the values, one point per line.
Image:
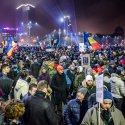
x=21 y=89
x=117 y=86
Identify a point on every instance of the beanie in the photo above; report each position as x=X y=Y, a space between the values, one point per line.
x=108 y=97
x=59 y=68
x=82 y=90
x=89 y=77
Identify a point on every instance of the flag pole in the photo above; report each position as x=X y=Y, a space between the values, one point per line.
x=99 y=114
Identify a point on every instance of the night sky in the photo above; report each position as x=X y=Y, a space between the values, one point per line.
x=96 y=16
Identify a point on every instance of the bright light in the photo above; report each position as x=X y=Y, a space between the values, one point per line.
x=6 y=28
x=64 y=30
x=30 y=22
x=25 y=5
x=62 y=19
x=22 y=23
x=36 y=24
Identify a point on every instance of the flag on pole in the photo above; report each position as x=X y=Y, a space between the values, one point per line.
x=10 y=48
x=89 y=41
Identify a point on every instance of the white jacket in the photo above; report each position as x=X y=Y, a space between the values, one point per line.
x=21 y=89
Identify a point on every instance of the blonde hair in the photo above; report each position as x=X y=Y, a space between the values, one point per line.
x=14 y=109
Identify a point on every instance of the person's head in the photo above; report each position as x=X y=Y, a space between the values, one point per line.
x=60 y=69
x=120 y=70
x=81 y=94
x=72 y=68
x=89 y=80
x=14 y=110
x=80 y=69
x=89 y=71
x=5 y=68
x=107 y=101
x=44 y=70
x=42 y=86
x=32 y=89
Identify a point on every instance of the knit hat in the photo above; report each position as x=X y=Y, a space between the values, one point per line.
x=89 y=77
x=83 y=90
x=80 y=69
x=59 y=68
x=108 y=97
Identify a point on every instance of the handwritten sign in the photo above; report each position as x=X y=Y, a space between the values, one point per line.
x=85 y=60
x=99 y=89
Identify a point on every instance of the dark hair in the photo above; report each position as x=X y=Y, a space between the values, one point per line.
x=4 y=66
x=118 y=72
x=32 y=86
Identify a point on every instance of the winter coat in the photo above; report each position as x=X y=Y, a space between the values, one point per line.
x=78 y=81
x=6 y=86
x=75 y=112
x=92 y=114
x=117 y=86
x=69 y=76
x=39 y=111
x=45 y=77
x=21 y=89
x=59 y=87
x=90 y=90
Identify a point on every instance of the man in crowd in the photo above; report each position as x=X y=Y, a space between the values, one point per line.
x=32 y=91
x=39 y=110
x=60 y=90
x=89 y=84
x=76 y=108
x=110 y=115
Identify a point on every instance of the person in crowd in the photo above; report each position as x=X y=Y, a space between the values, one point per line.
x=60 y=90
x=112 y=67
x=44 y=75
x=70 y=75
x=79 y=78
x=51 y=70
x=32 y=91
x=90 y=85
x=35 y=68
x=21 y=87
x=109 y=114
x=117 y=88
x=106 y=79
x=5 y=70
x=39 y=109
x=76 y=108
x=13 y=111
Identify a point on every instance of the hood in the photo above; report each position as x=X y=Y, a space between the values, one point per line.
x=20 y=83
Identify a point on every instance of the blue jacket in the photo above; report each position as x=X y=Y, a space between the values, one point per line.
x=67 y=78
x=74 y=112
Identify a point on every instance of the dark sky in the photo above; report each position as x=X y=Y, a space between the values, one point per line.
x=96 y=16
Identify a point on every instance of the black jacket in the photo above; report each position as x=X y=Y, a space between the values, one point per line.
x=39 y=111
x=59 y=87
x=35 y=68
x=6 y=86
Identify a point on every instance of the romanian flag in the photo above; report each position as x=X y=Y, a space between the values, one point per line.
x=89 y=41
x=10 y=48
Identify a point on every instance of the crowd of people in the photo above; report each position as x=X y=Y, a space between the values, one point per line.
x=54 y=88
